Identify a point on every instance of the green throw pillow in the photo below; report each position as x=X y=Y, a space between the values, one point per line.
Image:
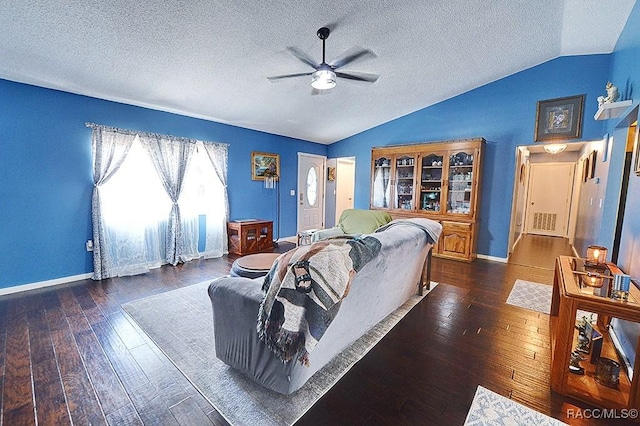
x=354 y=221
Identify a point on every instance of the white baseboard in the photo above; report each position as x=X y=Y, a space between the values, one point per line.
x=42 y=284
x=492 y=258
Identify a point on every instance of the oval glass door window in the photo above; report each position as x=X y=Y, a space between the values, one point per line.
x=312 y=186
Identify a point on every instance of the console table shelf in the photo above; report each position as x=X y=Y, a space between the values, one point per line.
x=569 y=296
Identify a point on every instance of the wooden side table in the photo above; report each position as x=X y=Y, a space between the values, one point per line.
x=569 y=296
x=250 y=236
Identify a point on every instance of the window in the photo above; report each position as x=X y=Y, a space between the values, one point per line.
x=312 y=186
x=134 y=216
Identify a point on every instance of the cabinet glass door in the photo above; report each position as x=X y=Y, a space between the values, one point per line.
x=460 y=185
x=431 y=183
x=405 y=171
x=381 y=182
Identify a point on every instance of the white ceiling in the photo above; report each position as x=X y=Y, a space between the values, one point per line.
x=210 y=59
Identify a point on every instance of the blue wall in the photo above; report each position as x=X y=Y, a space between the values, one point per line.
x=503 y=112
x=46 y=175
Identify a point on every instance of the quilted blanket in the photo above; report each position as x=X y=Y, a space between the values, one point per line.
x=304 y=290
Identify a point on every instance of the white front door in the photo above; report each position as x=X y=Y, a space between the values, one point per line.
x=345 y=185
x=549 y=198
x=311 y=177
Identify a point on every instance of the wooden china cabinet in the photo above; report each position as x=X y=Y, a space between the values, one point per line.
x=437 y=180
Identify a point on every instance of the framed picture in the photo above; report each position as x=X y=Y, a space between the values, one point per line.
x=585 y=169
x=264 y=165
x=636 y=166
x=559 y=118
x=331 y=173
x=592 y=161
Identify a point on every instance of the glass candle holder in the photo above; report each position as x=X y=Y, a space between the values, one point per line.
x=596 y=257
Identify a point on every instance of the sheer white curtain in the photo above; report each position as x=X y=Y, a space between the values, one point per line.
x=109 y=149
x=135 y=210
x=155 y=201
x=217 y=213
x=203 y=201
x=171 y=158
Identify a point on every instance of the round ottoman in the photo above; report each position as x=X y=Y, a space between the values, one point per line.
x=253 y=265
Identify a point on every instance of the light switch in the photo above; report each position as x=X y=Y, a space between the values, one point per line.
x=293 y=192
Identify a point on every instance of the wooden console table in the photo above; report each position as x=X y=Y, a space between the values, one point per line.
x=569 y=296
x=250 y=236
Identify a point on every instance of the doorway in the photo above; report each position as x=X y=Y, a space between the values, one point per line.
x=526 y=156
x=632 y=140
x=345 y=185
x=311 y=191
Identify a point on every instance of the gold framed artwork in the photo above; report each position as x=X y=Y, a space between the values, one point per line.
x=264 y=165
x=559 y=119
x=331 y=173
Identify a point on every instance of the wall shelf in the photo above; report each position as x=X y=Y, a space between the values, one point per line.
x=612 y=110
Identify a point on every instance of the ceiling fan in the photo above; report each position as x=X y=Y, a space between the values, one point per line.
x=324 y=76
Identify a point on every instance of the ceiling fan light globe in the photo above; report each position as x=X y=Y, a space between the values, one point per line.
x=323 y=79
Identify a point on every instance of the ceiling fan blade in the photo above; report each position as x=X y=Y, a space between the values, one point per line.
x=350 y=56
x=358 y=76
x=280 y=77
x=303 y=57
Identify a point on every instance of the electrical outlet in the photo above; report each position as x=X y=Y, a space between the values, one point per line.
x=293 y=192
x=89 y=245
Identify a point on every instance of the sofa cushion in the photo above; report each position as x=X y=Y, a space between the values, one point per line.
x=356 y=221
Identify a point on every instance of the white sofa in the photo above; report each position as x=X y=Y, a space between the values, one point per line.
x=379 y=288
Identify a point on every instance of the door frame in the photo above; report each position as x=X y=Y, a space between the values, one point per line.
x=322 y=178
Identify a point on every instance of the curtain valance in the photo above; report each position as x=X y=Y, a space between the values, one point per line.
x=149 y=135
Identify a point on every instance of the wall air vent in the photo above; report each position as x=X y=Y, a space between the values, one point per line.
x=544 y=221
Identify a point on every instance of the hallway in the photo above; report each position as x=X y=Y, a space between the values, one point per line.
x=534 y=256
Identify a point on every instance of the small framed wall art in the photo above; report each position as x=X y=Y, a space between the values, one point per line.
x=592 y=160
x=331 y=173
x=264 y=165
x=636 y=166
x=559 y=118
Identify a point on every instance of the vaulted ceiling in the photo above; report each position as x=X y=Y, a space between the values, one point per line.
x=211 y=59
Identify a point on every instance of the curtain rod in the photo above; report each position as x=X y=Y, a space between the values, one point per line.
x=136 y=132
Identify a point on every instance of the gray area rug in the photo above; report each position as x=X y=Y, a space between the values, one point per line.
x=180 y=322
x=530 y=295
x=490 y=408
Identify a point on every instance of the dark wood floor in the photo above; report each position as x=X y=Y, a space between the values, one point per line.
x=70 y=355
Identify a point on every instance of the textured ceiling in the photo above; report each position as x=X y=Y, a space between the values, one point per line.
x=210 y=59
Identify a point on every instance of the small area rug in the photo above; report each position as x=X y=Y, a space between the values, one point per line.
x=180 y=322
x=490 y=408
x=530 y=295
